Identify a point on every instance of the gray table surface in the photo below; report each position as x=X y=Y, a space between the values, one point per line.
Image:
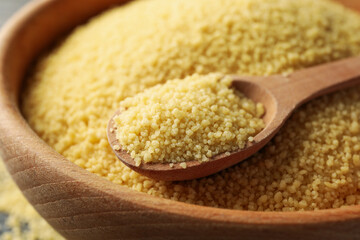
x=7 y=9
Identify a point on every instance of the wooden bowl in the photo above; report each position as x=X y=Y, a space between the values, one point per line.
x=81 y=205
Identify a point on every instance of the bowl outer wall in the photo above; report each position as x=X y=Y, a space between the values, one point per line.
x=82 y=205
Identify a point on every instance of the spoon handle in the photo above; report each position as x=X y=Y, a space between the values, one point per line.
x=310 y=83
x=301 y=86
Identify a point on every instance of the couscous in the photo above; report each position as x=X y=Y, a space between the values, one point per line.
x=312 y=163
x=194 y=118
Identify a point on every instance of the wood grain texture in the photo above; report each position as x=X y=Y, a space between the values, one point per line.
x=81 y=205
x=7 y=8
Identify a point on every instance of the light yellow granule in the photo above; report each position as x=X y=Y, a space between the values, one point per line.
x=76 y=88
x=187 y=119
x=183 y=165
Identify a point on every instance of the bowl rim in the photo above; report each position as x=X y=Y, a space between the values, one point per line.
x=11 y=116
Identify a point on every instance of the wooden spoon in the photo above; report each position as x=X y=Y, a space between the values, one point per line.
x=280 y=95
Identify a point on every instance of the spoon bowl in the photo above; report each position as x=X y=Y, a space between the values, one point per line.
x=279 y=94
x=196 y=169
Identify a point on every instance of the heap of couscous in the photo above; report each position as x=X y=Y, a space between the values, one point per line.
x=312 y=163
x=188 y=119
